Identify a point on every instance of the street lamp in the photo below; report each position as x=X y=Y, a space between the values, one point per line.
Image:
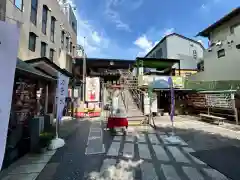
x=84 y=71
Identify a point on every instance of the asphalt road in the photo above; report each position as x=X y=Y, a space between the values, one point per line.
x=144 y=154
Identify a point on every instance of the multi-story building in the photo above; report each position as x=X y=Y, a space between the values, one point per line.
x=47 y=29
x=176 y=46
x=221 y=59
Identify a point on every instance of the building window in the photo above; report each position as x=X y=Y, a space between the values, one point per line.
x=74 y=26
x=234 y=27
x=51 y=54
x=194 y=54
x=188 y=74
x=159 y=53
x=52 y=33
x=43 y=49
x=32 y=41
x=44 y=19
x=60 y=50
x=62 y=39
x=34 y=7
x=73 y=50
x=67 y=43
x=238 y=46
x=221 y=53
x=19 y=4
x=200 y=66
x=71 y=47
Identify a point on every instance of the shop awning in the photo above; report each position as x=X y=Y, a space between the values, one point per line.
x=157 y=63
x=48 y=67
x=22 y=66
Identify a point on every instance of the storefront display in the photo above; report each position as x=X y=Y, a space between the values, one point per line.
x=24 y=100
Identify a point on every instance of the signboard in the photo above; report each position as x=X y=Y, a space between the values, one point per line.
x=62 y=93
x=178 y=82
x=92 y=89
x=8 y=57
x=161 y=82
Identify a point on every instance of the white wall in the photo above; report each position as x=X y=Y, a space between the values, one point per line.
x=227 y=67
x=222 y=32
x=177 y=45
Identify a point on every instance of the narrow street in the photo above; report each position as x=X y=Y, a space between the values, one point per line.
x=143 y=154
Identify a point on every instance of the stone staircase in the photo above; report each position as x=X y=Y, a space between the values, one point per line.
x=134 y=114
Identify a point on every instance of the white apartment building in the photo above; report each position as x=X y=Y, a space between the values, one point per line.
x=222 y=58
x=48 y=28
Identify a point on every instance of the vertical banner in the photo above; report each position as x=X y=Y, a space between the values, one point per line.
x=62 y=93
x=92 y=89
x=172 y=97
x=9 y=35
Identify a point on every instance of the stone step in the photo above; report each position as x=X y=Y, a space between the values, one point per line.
x=134 y=123
x=136 y=118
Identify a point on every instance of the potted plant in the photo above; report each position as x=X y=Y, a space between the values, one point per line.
x=44 y=140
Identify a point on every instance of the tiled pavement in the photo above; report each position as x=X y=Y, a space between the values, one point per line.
x=157 y=159
x=143 y=154
x=30 y=166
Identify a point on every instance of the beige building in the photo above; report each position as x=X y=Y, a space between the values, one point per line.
x=221 y=59
x=47 y=29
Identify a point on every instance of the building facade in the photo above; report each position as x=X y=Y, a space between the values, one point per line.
x=221 y=59
x=47 y=29
x=176 y=46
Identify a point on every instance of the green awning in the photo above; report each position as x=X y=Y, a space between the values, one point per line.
x=25 y=67
x=158 y=63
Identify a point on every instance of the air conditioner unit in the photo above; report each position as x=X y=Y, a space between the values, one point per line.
x=219 y=43
x=209 y=49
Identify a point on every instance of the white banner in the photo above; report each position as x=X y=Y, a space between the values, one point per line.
x=9 y=37
x=62 y=93
x=92 y=89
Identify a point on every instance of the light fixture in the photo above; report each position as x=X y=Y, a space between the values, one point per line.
x=111 y=63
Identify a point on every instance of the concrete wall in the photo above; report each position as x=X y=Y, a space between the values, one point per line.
x=22 y=17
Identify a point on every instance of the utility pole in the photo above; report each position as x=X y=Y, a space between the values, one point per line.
x=84 y=72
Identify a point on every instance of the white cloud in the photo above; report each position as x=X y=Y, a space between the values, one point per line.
x=209 y=5
x=147 y=41
x=135 y=4
x=97 y=43
x=144 y=44
x=203 y=6
x=114 y=15
x=92 y=39
x=168 y=31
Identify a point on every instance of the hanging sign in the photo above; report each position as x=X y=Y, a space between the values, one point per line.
x=172 y=97
x=92 y=89
x=8 y=56
x=62 y=93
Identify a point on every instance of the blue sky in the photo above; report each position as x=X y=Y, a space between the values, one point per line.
x=124 y=29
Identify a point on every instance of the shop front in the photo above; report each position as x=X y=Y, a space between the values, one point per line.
x=31 y=98
x=99 y=74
